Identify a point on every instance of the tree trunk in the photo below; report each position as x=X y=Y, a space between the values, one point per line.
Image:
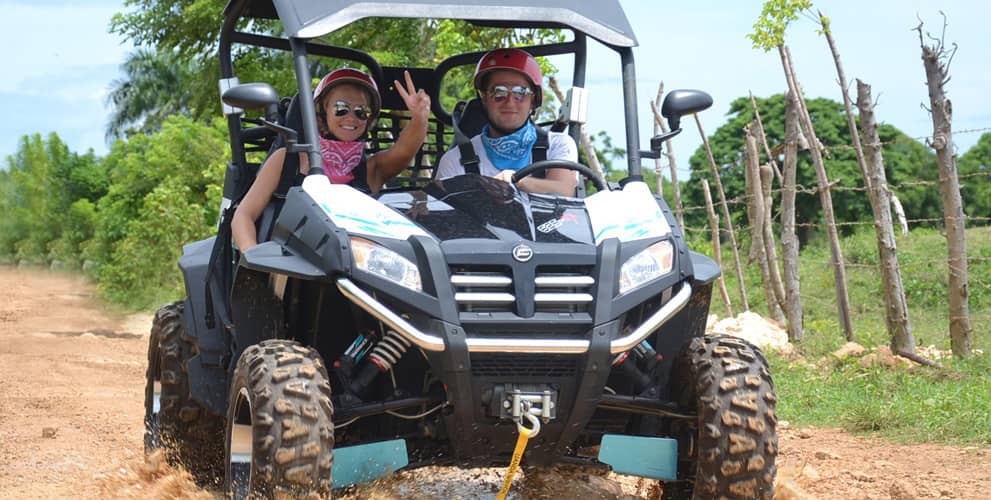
x=758 y=224
x=896 y=308
x=949 y=185
x=659 y=123
x=789 y=241
x=839 y=268
x=729 y=221
x=717 y=253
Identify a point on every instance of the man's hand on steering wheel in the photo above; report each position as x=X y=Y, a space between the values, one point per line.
x=505 y=176
x=542 y=166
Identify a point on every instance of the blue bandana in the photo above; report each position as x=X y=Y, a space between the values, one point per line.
x=510 y=152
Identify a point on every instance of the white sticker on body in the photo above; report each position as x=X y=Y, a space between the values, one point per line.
x=630 y=214
x=356 y=212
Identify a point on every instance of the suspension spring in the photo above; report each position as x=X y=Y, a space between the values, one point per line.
x=388 y=351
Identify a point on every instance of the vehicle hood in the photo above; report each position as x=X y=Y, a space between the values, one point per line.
x=479 y=207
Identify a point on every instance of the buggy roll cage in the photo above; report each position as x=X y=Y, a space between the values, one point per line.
x=305 y=19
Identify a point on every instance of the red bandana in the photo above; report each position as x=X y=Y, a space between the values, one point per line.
x=340 y=158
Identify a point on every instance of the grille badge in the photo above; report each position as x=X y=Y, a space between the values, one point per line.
x=522 y=253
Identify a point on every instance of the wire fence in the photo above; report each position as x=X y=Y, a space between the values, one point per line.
x=920 y=270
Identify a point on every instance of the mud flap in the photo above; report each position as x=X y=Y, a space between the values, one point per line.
x=655 y=458
x=367 y=462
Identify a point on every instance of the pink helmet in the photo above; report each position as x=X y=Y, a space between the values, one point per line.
x=517 y=60
x=354 y=77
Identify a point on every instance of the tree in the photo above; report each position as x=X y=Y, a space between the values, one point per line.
x=154 y=88
x=975 y=180
x=42 y=180
x=906 y=162
x=165 y=188
x=189 y=30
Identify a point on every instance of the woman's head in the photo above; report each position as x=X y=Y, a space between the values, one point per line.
x=346 y=101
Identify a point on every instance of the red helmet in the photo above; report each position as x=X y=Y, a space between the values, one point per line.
x=354 y=77
x=516 y=60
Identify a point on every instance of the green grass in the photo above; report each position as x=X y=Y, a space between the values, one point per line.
x=950 y=405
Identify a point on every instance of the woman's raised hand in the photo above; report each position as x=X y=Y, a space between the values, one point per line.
x=417 y=101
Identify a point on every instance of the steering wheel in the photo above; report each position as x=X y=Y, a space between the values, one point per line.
x=541 y=166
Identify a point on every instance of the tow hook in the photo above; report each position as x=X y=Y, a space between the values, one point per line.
x=522 y=409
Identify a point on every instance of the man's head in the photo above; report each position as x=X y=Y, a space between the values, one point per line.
x=509 y=83
x=346 y=101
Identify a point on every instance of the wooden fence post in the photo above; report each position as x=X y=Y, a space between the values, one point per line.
x=729 y=220
x=759 y=230
x=789 y=241
x=717 y=253
x=896 y=308
x=839 y=267
x=659 y=124
x=935 y=59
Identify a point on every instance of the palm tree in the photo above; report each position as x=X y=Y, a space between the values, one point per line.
x=155 y=87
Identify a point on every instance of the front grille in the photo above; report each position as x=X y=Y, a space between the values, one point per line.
x=558 y=289
x=523 y=366
x=483 y=289
x=563 y=290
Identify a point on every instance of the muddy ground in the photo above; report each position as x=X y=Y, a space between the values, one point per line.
x=71 y=407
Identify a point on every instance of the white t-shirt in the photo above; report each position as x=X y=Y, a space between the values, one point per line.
x=560 y=146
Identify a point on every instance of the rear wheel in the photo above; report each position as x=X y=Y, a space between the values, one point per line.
x=732 y=446
x=189 y=435
x=280 y=434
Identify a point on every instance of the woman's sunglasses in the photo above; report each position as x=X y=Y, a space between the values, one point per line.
x=500 y=93
x=361 y=112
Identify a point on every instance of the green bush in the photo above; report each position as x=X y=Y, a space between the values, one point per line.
x=164 y=192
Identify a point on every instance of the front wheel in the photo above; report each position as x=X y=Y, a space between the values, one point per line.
x=733 y=444
x=184 y=429
x=280 y=432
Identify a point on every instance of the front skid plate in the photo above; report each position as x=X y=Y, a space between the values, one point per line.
x=655 y=458
x=366 y=462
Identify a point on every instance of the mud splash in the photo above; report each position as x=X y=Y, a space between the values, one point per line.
x=151 y=478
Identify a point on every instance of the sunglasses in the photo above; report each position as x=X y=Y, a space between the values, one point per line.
x=361 y=112
x=500 y=93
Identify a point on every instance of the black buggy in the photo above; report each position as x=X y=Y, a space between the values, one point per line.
x=426 y=324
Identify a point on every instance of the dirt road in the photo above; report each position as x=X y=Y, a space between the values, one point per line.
x=71 y=392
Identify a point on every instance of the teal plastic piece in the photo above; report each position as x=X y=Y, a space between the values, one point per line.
x=367 y=462
x=652 y=457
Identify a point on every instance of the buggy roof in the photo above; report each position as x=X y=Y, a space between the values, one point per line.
x=603 y=20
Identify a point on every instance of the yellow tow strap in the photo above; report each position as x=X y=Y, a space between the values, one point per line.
x=515 y=462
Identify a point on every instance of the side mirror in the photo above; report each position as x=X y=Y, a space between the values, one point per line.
x=679 y=103
x=254 y=96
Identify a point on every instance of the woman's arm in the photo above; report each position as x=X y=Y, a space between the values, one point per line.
x=243 y=224
x=387 y=164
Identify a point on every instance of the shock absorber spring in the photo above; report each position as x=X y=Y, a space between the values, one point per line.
x=388 y=351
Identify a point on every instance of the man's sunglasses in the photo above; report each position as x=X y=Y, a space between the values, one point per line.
x=342 y=108
x=500 y=93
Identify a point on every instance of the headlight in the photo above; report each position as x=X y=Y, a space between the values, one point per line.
x=649 y=264
x=377 y=259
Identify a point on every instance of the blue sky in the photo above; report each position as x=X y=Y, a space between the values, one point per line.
x=61 y=60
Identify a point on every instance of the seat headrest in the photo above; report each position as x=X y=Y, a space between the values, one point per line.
x=468 y=118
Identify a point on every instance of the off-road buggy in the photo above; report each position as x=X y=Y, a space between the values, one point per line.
x=426 y=324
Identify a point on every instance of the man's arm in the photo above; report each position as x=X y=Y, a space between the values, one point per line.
x=449 y=164
x=558 y=180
